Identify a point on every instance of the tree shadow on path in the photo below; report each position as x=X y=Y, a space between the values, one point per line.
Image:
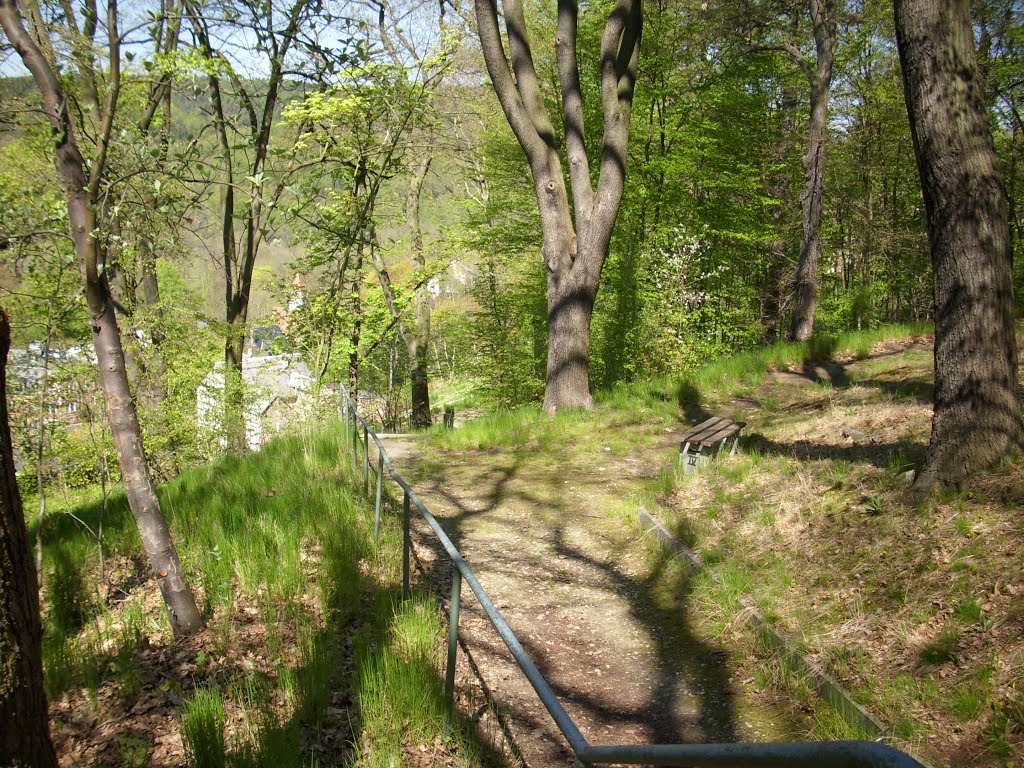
x=606 y=621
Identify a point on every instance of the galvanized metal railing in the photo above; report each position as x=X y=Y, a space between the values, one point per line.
x=836 y=754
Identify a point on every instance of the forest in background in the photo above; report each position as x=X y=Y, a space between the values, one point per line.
x=383 y=172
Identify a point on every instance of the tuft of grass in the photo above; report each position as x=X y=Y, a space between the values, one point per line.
x=968 y=702
x=942 y=648
x=503 y=429
x=314 y=679
x=71 y=602
x=202 y=729
x=399 y=692
x=969 y=612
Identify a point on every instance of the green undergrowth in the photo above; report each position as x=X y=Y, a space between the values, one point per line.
x=458 y=393
x=638 y=403
x=615 y=425
x=309 y=656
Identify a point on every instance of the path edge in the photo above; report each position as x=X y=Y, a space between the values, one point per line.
x=824 y=685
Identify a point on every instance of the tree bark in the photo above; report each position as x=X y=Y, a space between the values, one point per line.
x=823 y=20
x=776 y=275
x=25 y=736
x=977 y=417
x=356 y=303
x=575 y=238
x=79 y=191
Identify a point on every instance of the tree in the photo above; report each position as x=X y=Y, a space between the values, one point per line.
x=823 y=16
x=25 y=737
x=430 y=65
x=576 y=234
x=977 y=417
x=356 y=135
x=245 y=172
x=82 y=191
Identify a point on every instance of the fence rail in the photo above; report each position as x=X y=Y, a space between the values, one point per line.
x=836 y=754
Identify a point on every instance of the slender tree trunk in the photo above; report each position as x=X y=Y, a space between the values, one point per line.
x=156 y=390
x=44 y=387
x=166 y=40
x=823 y=18
x=357 y=322
x=778 y=265
x=977 y=416
x=184 y=615
x=123 y=297
x=418 y=336
x=238 y=267
x=25 y=735
x=127 y=436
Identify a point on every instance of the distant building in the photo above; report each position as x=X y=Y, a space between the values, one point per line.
x=25 y=370
x=279 y=391
x=262 y=338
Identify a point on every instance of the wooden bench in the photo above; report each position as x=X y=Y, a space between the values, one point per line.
x=699 y=444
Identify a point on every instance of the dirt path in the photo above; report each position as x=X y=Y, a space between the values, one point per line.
x=604 y=619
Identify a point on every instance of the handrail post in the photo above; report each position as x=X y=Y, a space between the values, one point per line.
x=380 y=489
x=406 y=542
x=366 y=460
x=343 y=408
x=355 y=440
x=453 y=637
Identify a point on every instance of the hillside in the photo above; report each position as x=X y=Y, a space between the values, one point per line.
x=308 y=657
x=914 y=608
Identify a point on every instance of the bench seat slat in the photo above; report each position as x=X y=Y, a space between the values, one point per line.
x=722 y=434
x=694 y=434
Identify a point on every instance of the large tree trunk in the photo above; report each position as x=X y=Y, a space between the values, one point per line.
x=570 y=309
x=25 y=735
x=977 y=416
x=576 y=236
x=184 y=614
x=823 y=19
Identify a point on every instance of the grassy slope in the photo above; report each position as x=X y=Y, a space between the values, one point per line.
x=917 y=609
x=308 y=657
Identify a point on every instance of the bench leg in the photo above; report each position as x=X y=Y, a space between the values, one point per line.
x=683 y=450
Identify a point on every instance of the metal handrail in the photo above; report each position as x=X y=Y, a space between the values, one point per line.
x=837 y=754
